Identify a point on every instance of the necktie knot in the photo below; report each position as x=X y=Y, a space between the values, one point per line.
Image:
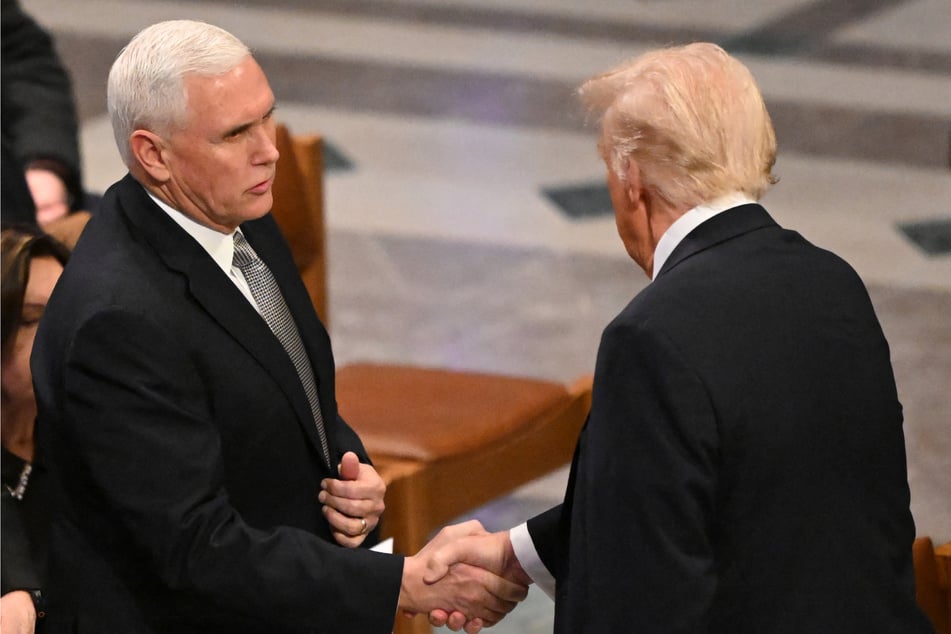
x=244 y=255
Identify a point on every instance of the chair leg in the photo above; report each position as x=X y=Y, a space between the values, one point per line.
x=403 y=521
x=406 y=518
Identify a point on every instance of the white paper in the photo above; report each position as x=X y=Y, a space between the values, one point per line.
x=386 y=546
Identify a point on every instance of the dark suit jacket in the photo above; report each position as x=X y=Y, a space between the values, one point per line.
x=743 y=466
x=186 y=450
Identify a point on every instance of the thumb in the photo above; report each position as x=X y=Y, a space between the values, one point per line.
x=437 y=565
x=349 y=466
x=468 y=550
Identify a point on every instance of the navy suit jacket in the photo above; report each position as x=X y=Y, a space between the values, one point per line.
x=743 y=465
x=185 y=447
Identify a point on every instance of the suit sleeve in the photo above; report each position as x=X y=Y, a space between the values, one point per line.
x=644 y=496
x=134 y=400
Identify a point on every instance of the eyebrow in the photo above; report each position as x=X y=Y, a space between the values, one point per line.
x=245 y=126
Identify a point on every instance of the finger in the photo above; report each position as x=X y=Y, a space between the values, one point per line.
x=367 y=485
x=471 y=527
x=473 y=626
x=456 y=531
x=370 y=505
x=345 y=541
x=350 y=526
x=485 y=602
x=457 y=621
x=505 y=593
x=507 y=590
x=450 y=626
x=349 y=466
x=438 y=618
x=351 y=508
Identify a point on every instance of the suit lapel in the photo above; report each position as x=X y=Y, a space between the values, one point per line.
x=218 y=296
x=724 y=226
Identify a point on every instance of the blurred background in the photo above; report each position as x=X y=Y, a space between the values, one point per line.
x=469 y=226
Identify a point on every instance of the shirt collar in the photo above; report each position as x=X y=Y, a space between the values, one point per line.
x=220 y=246
x=691 y=220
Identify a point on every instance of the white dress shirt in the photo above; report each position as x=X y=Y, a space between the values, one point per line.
x=521 y=539
x=220 y=246
x=691 y=220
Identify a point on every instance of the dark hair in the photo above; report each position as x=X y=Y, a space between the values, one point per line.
x=18 y=246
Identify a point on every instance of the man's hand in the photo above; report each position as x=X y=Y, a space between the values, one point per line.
x=492 y=551
x=353 y=504
x=17 y=615
x=465 y=595
x=49 y=195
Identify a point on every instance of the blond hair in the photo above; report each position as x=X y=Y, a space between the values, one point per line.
x=691 y=117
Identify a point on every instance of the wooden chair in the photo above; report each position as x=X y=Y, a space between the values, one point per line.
x=933 y=582
x=450 y=441
x=445 y=442
x=298 y=209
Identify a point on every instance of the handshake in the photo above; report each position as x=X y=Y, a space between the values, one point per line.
x=465 y=578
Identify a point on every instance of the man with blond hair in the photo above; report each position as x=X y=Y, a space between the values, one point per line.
x=743 y=465
x=185 y=389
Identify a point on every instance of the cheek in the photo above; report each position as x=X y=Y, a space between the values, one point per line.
x=226 y=181
x=17 y=379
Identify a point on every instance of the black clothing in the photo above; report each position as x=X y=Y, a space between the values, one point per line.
x=39 y=122
x=743 y=466
x=190 y=478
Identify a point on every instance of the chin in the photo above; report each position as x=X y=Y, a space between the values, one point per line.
x=263 y=206
x=259 y=209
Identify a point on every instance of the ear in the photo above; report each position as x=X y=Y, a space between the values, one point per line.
x=636 y=193
x=148 y=151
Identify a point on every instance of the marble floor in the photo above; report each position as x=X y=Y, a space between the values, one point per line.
x=456 y=138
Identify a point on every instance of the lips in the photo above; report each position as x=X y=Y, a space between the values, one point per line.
x=262 y=187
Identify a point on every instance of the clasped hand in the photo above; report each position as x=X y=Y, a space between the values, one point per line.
x=465 y=578
x=353 y=503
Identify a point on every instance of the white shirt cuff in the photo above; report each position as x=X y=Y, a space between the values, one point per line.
x=531 y=563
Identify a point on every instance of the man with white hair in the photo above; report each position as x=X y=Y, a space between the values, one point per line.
x=185 y=388
x=743 y=465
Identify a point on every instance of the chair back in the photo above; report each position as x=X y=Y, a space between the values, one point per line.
x=299 y=210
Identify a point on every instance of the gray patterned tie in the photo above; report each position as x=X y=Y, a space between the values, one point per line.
x=273 y=308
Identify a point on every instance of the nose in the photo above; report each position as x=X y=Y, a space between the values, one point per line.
x=266 y=145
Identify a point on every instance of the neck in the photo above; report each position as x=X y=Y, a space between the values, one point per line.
x=660 y=216
x=17 y=429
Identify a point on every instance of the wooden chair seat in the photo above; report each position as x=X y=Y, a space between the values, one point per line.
x=449 y=413
x=450 y=441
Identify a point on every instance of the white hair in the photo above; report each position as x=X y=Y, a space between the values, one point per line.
x=146 y=86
